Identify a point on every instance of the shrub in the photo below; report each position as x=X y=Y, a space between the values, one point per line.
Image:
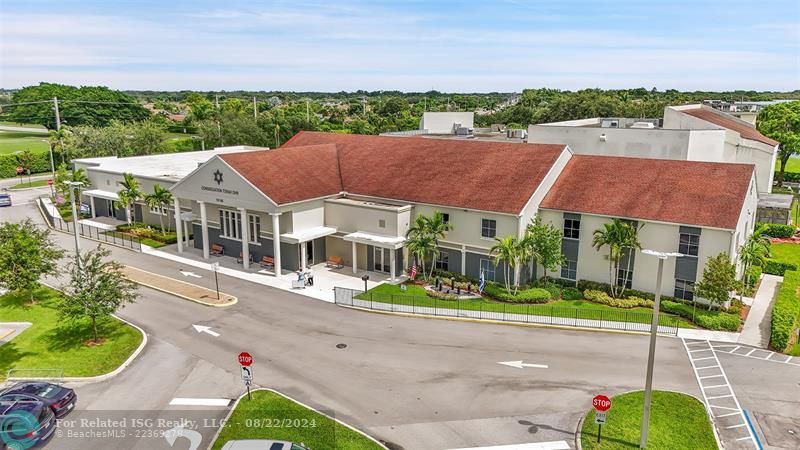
x=533 y=295
x=584 y=285
x=440 y=295
x=753 y=274
x=571 y=293
x=626 y=303
x=711 y=320
x=774 y=267
x=777 y=230
x=463 y=285
x=558 y=281
x=39 y=163
x=736 y=307
x=786 y=312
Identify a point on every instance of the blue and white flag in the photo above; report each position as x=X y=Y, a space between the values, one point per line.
x=483 y=283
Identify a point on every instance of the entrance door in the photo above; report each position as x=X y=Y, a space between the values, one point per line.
x=310 y=253
x=381 y=260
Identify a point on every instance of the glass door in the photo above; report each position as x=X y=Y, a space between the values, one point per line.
x=381 y=259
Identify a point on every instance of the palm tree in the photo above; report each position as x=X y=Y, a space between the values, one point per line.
x=421 y=245
x=507 y=249
x=753 y=252
x=63 y=176
x=160 y=198
x=56 y=140
x=437 y=228
x=622 y=239
x=129 y=193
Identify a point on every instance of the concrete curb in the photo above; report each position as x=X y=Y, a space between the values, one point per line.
x=108 y=375
x=499 y=322
x=235 y=404
x=578 y=445
x=10 y=189
x=185 y=297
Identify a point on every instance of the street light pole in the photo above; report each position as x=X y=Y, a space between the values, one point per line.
x=648 y=389
x=74 y=187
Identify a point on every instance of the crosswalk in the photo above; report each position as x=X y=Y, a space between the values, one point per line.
x=729 y=419
x=755 y=353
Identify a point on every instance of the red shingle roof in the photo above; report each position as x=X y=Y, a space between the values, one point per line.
x=291 y=174
x=491 y=176
x=684 y=192
x=745 y=130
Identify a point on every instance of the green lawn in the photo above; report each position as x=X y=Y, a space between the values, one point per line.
x=793 y=165
x=32 y=184
x=677 y=421
x=24 y=125
x=795 y=350
x=271 y=416
x=416 y=296
x=54 y=344
x=14 y=141
x=789 y=253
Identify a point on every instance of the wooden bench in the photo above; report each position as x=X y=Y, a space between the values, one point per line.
x=217 y=250
x=240 y=259
x=335 y=261
x=267 y=262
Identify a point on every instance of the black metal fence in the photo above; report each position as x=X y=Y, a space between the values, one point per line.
x=544 y=314
x=92 y=232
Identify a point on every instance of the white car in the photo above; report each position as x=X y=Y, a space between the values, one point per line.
x=261 y=444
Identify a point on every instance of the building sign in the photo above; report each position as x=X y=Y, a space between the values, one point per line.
x=218 y=179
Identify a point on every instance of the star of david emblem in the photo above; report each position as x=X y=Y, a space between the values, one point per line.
x=218 y=177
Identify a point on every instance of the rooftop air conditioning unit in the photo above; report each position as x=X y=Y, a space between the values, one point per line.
x=516 y=133
x=644 y=125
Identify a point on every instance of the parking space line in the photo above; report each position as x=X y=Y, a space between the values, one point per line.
x=709 y=376
x=736 y=426
x=712 y=387
x=743 y=438
x=751 y=351
x=706 y=367
x=719 y=396
x=701 y=350
x=725 y=407
x=788 y=358
x=769 y=356
x=728 y=415
x=705 y=357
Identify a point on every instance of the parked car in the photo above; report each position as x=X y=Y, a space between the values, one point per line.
x=85 y=208
x=60 y=399
x=5 y=199
x=261 y=444
x=24 y=424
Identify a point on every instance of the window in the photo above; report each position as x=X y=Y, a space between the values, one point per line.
x=254 y=228
x=572 y=228
x=230 y=224
x=381 y=223
x=627 y=276
x=487 y=267
x=488 y=228
x=158 y=210
x=446 y=217
x=684 y=289
x=689 y=244
x=569 y=271
x=443 y=261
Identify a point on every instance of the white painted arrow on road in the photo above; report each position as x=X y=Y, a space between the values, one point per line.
x=205 y=329
x=189 y=274
x=522 y=365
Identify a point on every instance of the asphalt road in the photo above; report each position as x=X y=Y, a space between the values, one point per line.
x=417 y=383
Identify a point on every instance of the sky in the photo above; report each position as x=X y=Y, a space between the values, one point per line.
x=411 y=45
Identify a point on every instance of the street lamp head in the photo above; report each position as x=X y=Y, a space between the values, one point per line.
x=661 y=255
x=74 y=183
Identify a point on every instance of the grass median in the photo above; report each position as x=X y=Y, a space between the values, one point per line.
x=272 y=416
x=29 y=184
x=676 y=421
x=63 y=345
x=416 y=296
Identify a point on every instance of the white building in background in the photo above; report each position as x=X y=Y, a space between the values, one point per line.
x=447 y=122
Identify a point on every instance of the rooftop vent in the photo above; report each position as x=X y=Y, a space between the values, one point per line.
x=645 y=125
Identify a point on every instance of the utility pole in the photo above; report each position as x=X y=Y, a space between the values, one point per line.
x=307 y=115
x=364 y=104
x=58 y=115
x=425 y=104
x=255 y=109
x=219 y=128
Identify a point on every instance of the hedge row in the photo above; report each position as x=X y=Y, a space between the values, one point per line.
x=774 y=267
x=710 y=320
x=532 y=295
x=789 y=176
x=584 y=285
x=40 y=163
x=778 y=230
x=786 y=312
x=627 y=303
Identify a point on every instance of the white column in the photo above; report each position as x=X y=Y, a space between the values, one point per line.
x=303 y=256
x=276 y=242
x=178 y=224
x=245 y=238
x=392 y=257
x=355 y=257
x=204 y=229
x=91 y=201
x=463 y=259
x=186 y=233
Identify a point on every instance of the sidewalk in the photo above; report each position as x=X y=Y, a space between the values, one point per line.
x=757 y=326
x=188 y=291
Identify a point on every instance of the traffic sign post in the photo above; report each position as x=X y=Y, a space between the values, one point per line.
x=601 y=404
x=245 y=361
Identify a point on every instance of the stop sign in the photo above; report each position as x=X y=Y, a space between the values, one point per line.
x=245 y=359
x=601 y=403
x=20 y=170
x=50 y=182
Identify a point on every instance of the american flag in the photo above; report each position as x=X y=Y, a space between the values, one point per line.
x=413 y=271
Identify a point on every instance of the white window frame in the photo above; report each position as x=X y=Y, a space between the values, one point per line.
x=159 y=210
x=490 y=268
x=493 y=229
x=688 y=287
x=254 y=229
x=230 y=224
x=566 y=267
x=571 y=228
x=689 y=245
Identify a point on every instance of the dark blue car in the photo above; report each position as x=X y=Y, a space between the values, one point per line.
x=25 y=424
x=5 y=200
x=60 y=399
